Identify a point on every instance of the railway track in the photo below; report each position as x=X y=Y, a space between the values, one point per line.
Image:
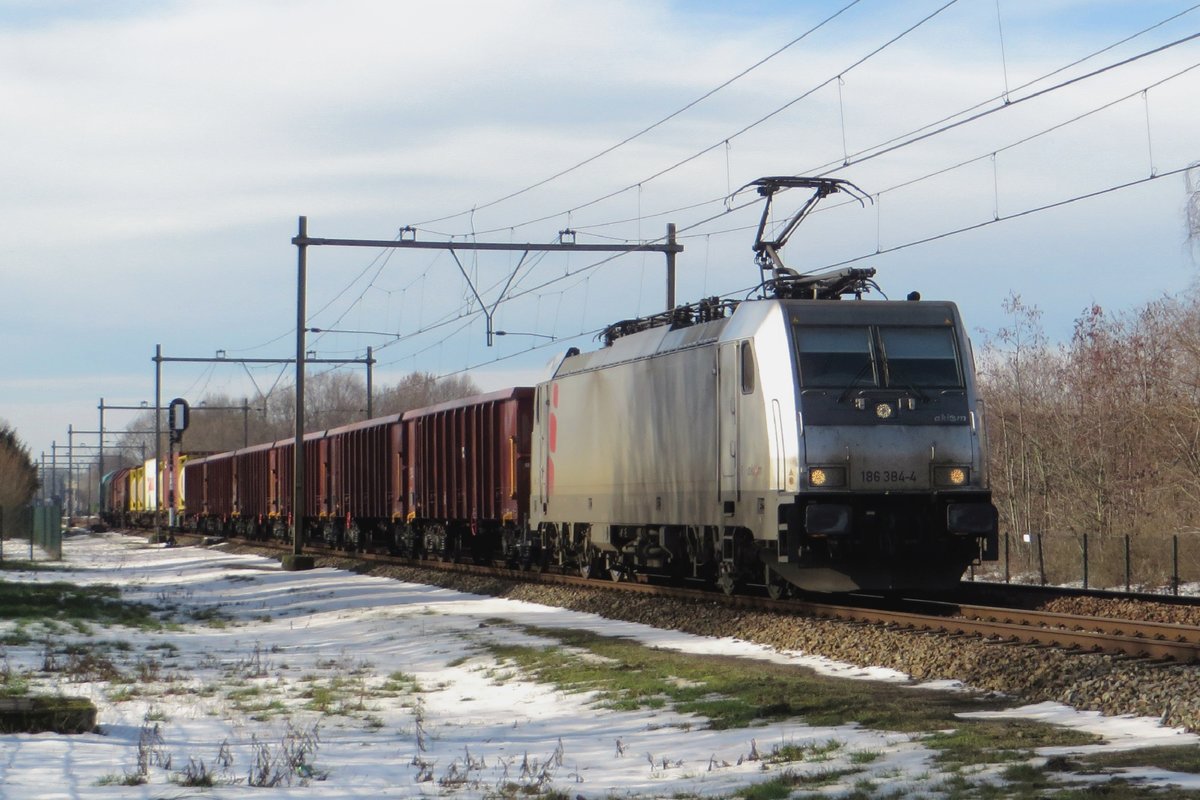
x=1136 y=638
x=1013 y=593
x=1128 y=637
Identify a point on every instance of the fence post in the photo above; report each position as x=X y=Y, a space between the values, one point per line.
x=1006 y=572
x=1041 y=560
x=1127 y=581
x=1175 y=564
x=1085 y=561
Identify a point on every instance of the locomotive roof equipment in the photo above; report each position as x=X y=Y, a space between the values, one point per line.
x=787 y=283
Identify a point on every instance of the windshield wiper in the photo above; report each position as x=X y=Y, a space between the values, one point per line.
x=912 y=388
x=868 y=364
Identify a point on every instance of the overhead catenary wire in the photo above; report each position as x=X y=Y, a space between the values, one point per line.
x=1006 y=217
x=740 y=132
x=612 y=148
x=581 y=272
x=1040 y=93
x=1026 y=85
x=907 y=138
x=572 y=273
x=861 y=155
x=833 y=265
x=992 y=153
x=683 y=231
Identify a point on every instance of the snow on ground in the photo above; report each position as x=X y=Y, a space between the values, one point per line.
x=231 y=692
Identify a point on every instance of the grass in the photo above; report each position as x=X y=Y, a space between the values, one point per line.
x=729 y=692
x=1184 y=758
x=399 y=683
x=61 y=602
x=804 y=752
x=9 y=564
x=1000 y=741
x=1062 y=779
x=788 y=782
x=212 y=617
x=13 y=683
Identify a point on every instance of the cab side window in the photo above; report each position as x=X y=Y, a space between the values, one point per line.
x=747 y=368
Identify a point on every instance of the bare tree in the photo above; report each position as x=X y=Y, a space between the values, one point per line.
x=18 y=474
x=1192 y=179
x=1099 y=436
x=420 y=389
x=1018 y=377
x=332 y=399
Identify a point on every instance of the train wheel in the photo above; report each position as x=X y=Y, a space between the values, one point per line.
x=727 y=581
x=591 y=564
x=618 y=571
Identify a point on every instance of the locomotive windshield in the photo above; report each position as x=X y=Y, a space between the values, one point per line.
x=846 y=356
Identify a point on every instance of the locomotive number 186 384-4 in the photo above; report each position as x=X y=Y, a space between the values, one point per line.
x=887 y=476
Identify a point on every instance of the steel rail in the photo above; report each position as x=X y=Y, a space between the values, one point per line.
x=1154 y=640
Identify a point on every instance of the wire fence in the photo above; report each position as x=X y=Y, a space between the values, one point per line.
x=31 y=533
x=1164 y=563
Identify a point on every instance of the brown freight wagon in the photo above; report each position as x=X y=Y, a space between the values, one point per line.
x=467 y=464
x=208 y=492
x=360 y=482
x=279 y=472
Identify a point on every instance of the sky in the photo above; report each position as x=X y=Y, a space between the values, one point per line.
x=285 y=635
x=157 y=157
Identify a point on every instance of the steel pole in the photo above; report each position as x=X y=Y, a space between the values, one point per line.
x=70 y=471
x=298 y=504
x=370 y=371
x=671 y=249
x=100 y=468
x=157 y=440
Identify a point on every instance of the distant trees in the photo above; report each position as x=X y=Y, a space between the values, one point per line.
x=1100 y=435
x=18 y=474
x=219 y=422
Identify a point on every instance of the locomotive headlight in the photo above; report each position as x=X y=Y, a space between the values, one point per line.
x=951 y=476
x=826 y=477
x=883 y=410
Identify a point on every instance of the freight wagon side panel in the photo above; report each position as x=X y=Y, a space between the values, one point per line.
x=312 y=475
x=398 y=472
x=469 y=460
x=280 y=482
x=218 y=486
x=252 y=482
x=364 y=462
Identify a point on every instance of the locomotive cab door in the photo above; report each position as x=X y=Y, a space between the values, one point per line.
x=728 y=400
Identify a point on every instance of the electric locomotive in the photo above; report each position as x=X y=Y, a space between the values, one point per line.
x=788 y=441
